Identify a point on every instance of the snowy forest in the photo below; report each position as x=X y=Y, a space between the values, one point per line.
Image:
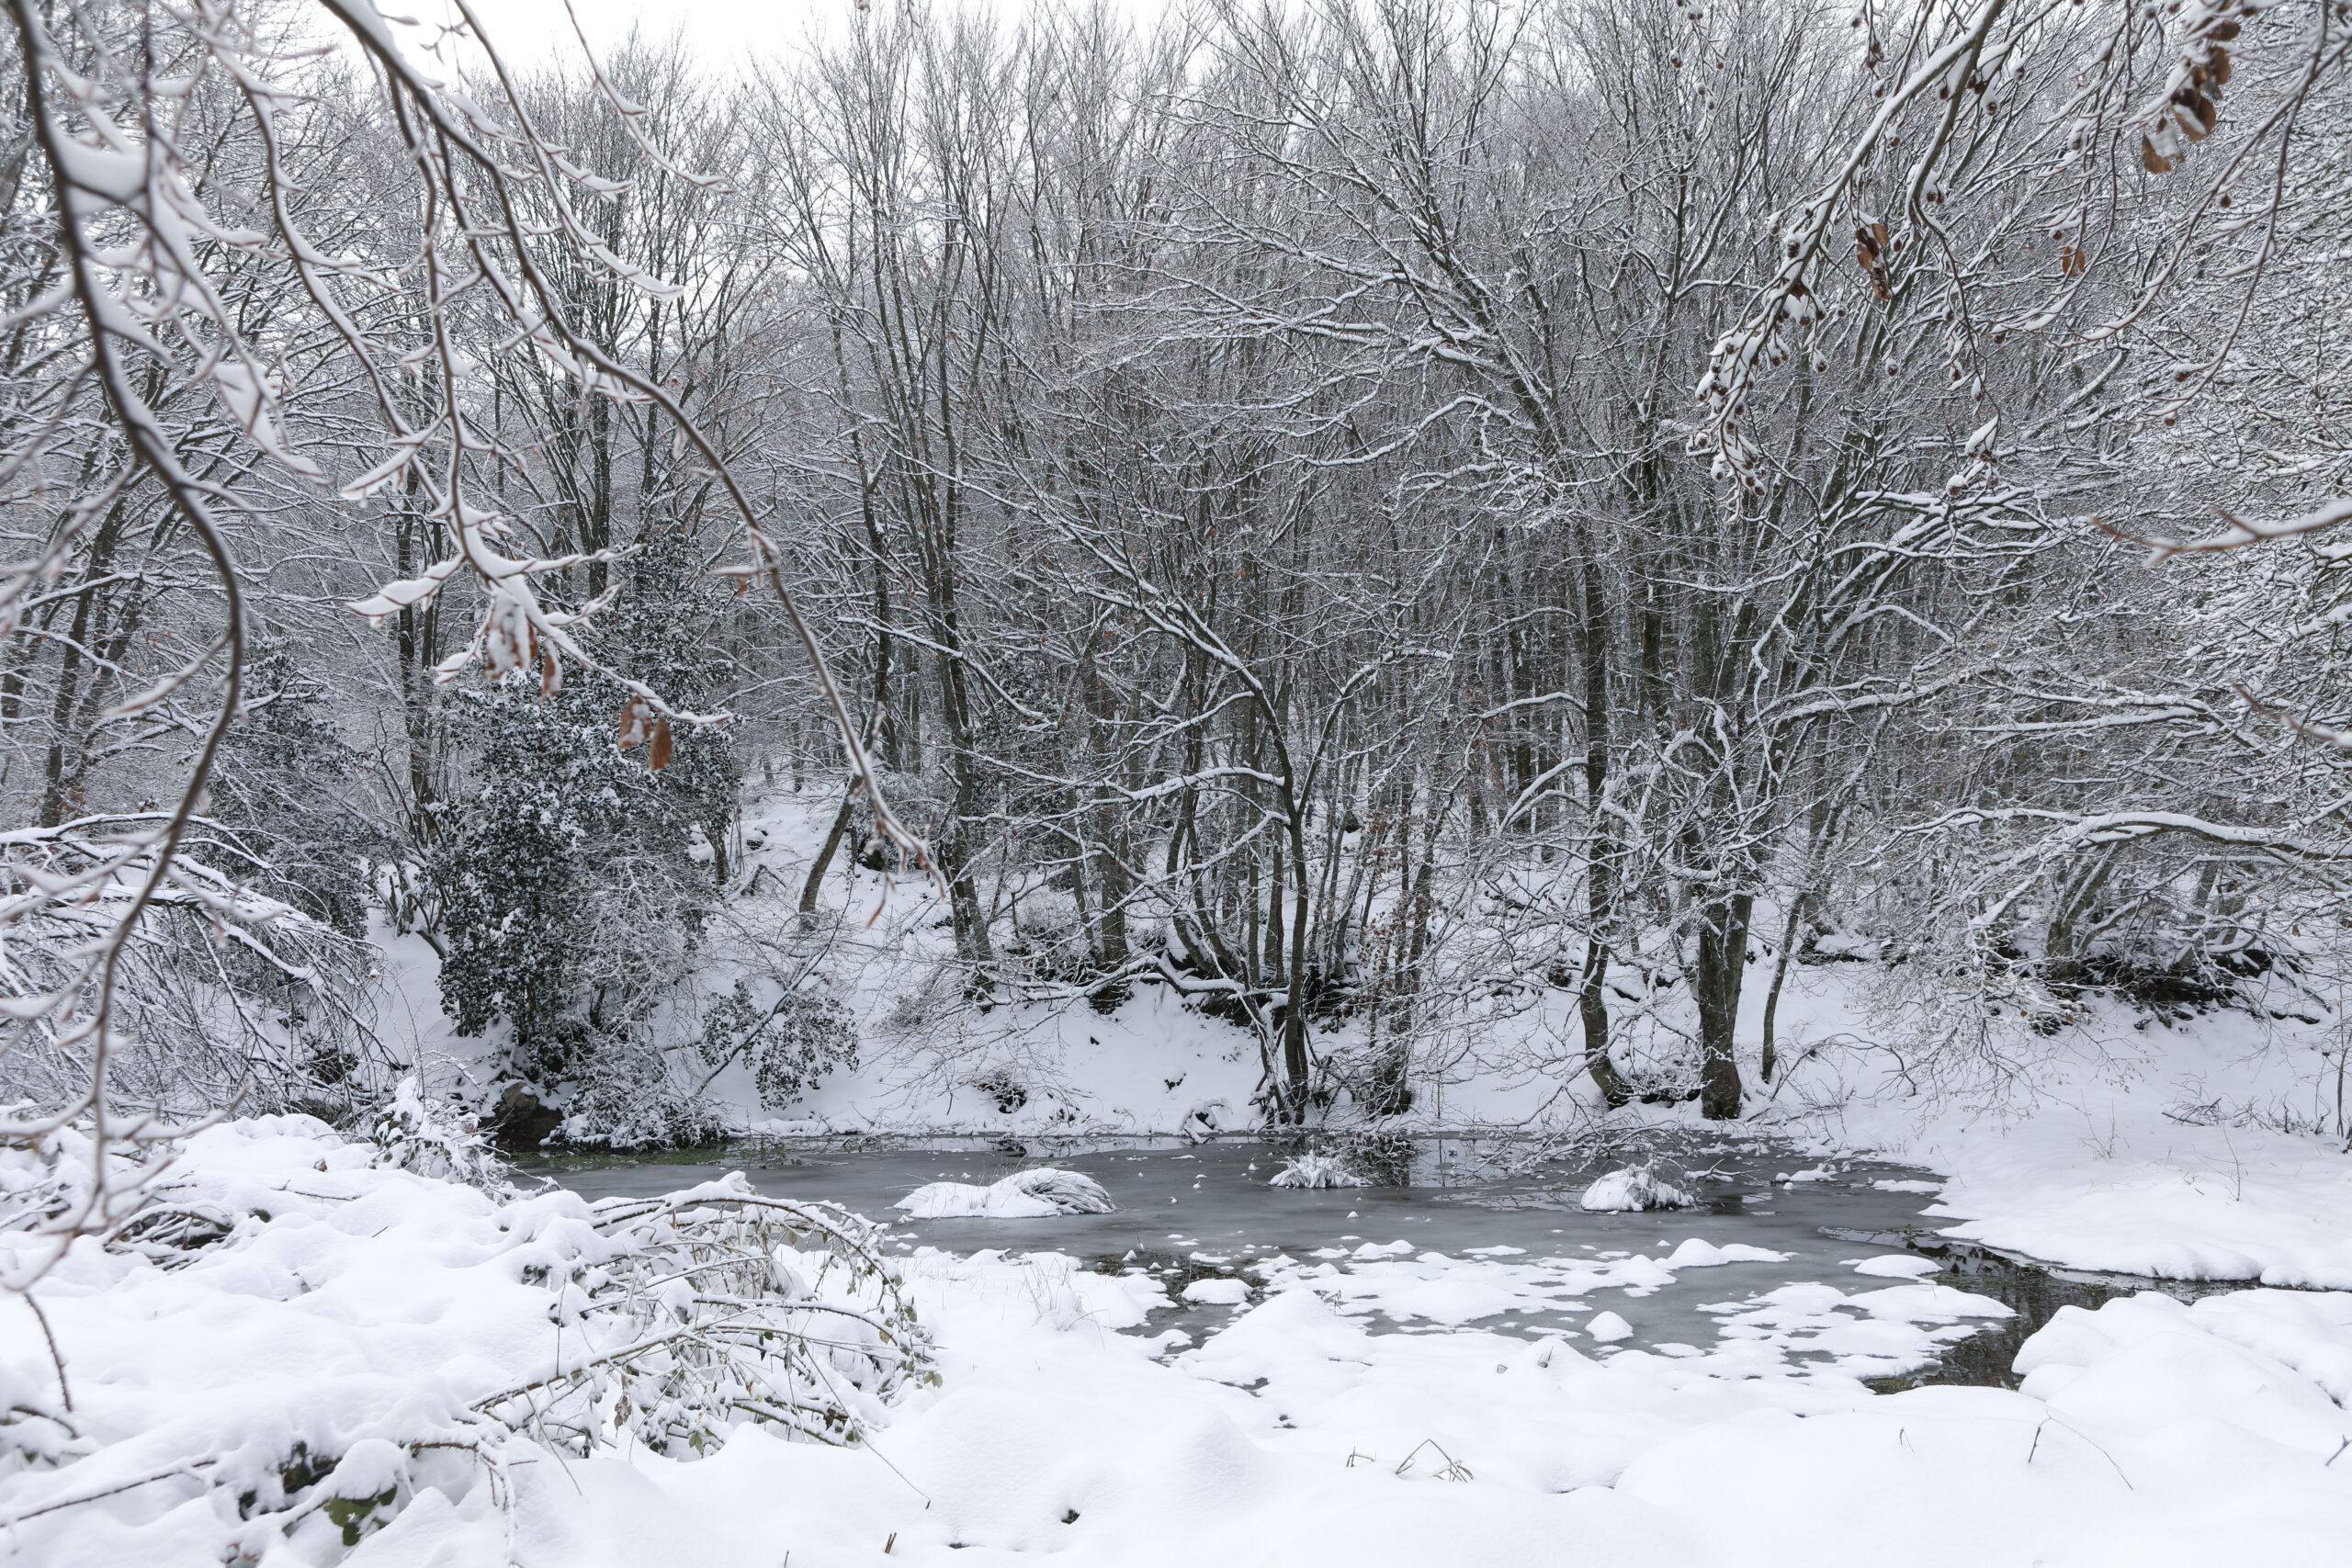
x=1321 y=688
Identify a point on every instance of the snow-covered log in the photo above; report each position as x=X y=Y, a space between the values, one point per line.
x=1024 y=1195
x=1632 y=1190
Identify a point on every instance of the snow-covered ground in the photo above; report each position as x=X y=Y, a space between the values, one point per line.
x=337 y=1345
x=1350 y=1447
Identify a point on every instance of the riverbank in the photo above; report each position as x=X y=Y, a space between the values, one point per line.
x=2193 y=1145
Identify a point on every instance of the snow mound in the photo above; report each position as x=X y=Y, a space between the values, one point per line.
x=1631 y=1190
x=299 y=1347
x=1024 y=1195
x=1218 y=1293
x=1608 y=1328
x=1316 y=1170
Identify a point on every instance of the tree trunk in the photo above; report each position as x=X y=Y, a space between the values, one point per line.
x=1722 y=963
x=817 y=867
x=1601 y=870
x=1771 y=1061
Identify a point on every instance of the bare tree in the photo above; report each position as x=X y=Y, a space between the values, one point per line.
x=173 y=152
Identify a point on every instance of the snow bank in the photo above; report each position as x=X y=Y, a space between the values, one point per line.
x=2272 y=1210
x=1024 y=1195
x=295 y=1345
x=2105 y=1147
x=1633 y=1189
x=2146 y=1432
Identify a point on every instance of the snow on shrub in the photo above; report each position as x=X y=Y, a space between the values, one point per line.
x=1024 y=1195
x=717 y=1305
x=1632 y=1190
x=435 y=1138
x=1316 y=1170
x=630 y=1095
x=1001 y=1082
x=791 y=1043
x=293 y=1338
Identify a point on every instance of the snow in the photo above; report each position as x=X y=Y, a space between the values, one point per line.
x=1876 y=1333
x=1024 y=1195
x=2276 y=1217
x=357 y=1307
x=2090 y=1163
x=1694 y=1253
x=355 y=1329
x=1372 y=1406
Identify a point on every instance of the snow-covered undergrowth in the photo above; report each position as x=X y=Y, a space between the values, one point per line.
x=1633 y=1190
x=1024 y=1195
x=433 y=1137
x=1317 y=1171
x=294 y=1343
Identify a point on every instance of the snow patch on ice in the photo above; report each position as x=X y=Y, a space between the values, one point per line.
x=1696 y=1254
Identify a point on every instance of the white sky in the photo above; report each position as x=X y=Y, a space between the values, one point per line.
x=726 y=30
x=722 y=28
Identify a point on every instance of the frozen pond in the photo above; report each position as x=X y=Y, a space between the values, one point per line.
x=1786 y=1261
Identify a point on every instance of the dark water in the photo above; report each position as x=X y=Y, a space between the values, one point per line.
x=1192 y=1213
x=2033 y=1291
